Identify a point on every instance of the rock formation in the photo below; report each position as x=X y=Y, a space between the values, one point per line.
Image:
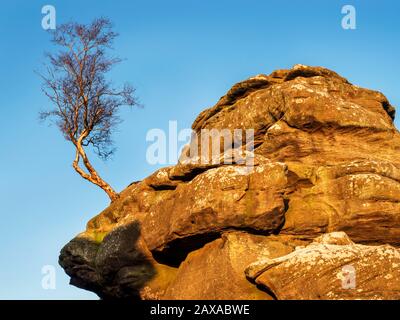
x=319 y=209
x=331 y=267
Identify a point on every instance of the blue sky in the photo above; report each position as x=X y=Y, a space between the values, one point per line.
x=181 y=56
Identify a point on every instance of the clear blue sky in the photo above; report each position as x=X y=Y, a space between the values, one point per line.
x=181 y=56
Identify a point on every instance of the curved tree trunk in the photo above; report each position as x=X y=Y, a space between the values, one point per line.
x=92 y=176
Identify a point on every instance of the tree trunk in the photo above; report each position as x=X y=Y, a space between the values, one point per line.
x=93 y=176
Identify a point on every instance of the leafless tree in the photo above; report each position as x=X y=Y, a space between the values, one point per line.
x=85 y=103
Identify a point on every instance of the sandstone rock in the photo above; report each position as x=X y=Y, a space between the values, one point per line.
x=326 y=158
x=216 y=271
x=332 y=267
x=120 y=266
x=359 y=197
x=228 y=197
x=77 y=259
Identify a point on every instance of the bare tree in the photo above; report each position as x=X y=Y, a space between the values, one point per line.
x=86 y=104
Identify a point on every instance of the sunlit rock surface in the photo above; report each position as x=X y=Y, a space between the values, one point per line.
x=326 y=159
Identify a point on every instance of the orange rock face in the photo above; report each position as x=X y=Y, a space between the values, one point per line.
x=332 y=267
x=326 y=159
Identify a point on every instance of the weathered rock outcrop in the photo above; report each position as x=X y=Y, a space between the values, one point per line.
x=331 y=267
x=326 y=159
x=216 y=270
